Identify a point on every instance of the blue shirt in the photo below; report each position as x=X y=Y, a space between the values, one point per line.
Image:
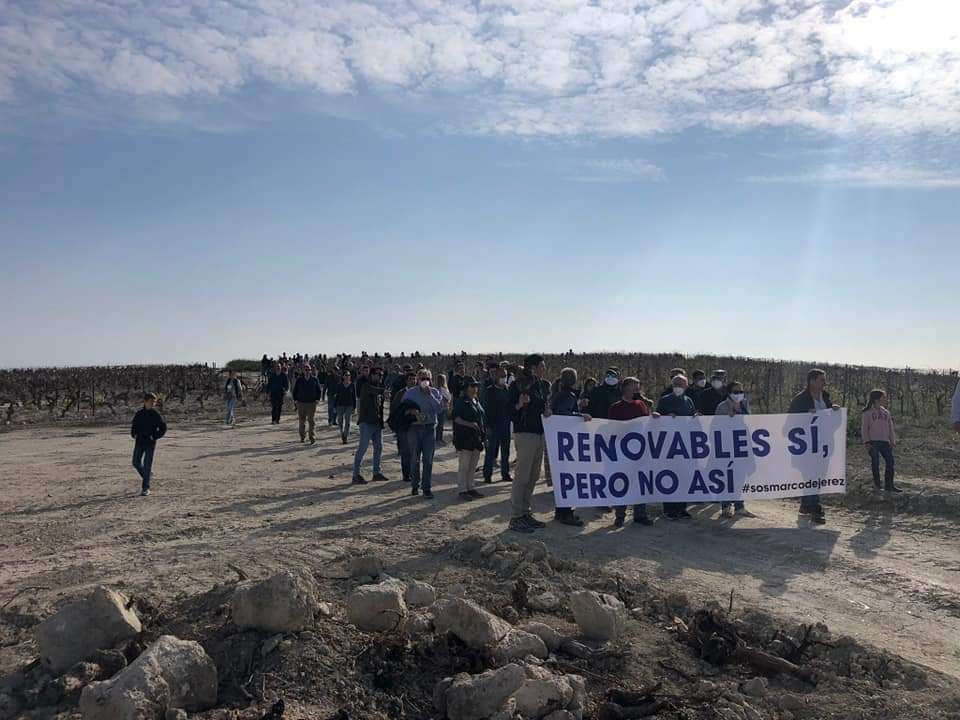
x=430 y=403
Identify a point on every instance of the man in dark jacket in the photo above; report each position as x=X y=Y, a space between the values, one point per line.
x=147 y=427
x=370 y=422
x=677 y=404
x=277 y=386
x=496 y=406
x=400 y=421
x=813 y=399
x=605 y=395
x=306 y=394
x=712 y=396
x=455 y=381
x=529 y=396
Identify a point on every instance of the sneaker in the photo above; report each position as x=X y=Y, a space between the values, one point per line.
x=819 y=518
x=358 y=480
x=894 y=489
x=533 y=522
x=466 y=496
x=488 y=479
x=642 y=520
x=343 y=440
x=684 y=515
x=520 y=525
x=508 y=479
x=727 y=511
x=805 y=511
x=427 y=495
x=303 y=439
x=476 y=493
x=618 y=522
x=569 y=518
x=414 y=491
x=313 y=441
x=379 y=477
x=144 y=493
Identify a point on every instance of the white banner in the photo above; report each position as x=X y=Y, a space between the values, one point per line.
x=696 y=459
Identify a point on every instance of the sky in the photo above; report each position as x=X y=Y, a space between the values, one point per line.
x=199 y=181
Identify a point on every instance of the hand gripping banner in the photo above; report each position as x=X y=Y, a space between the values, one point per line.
x=696 y=459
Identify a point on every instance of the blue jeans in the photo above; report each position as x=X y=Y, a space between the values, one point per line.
x=343 y=421
x=421 y=442
x=331 y=412
x=498 y=443
x=878 y=449
x=143 y=461
x=403 y=450
x=368 y=432
x=231 y=409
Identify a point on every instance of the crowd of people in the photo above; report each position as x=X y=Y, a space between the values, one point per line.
x=501 y=406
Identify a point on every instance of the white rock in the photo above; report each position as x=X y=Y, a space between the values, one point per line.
x=518 y=644
x=475 y=697
x=599 y=616
x=540 y=697
x=472 y=624
x=97 y=621
x=171 y=673
x=419 y=594
x=377 y=607
x=551 y=638
x=544 y=602
x=286 y=602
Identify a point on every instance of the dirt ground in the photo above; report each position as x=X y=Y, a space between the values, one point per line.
x=886 y=573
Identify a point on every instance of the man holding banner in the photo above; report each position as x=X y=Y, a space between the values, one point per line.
x=629 y=407
x=677 y=404
x=813 y=399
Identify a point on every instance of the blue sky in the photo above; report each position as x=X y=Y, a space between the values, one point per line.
x=760 y=177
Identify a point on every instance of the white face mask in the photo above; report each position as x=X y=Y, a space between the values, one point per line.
x=701 y=383
x=737 y=397
x=678 y=391
x=717 y=384
x=501 y=381
x=610 y=380
x=424 y=384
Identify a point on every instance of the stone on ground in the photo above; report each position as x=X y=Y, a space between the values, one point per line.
x=419 y=594
x=543 y=694
x=169 y=674
x=518 y=644
x=476 y=697
x=599 y=616
x=286 y=602
x=366 y=566
x=551 y=638
x=377 y=608
x=476 y=627
x=755 y=687
x=544 y=602
x=96 y=621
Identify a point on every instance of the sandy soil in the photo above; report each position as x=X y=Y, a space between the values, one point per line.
x=256 y=498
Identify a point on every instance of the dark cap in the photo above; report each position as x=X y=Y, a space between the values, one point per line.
x=469 y=381
x=149 y=396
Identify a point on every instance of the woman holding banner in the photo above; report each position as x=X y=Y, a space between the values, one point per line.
x=734 y=404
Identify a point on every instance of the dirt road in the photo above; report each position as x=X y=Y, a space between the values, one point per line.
x=255 y=497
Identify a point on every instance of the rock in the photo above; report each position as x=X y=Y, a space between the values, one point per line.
x=325 y=609
x=576 y=649
x=96 y=621
x=541 y=696
x=579 y=702
x=517 y=645
x=472 y=624
x=418 y=624
x=171 y=673
x=544 y=602
x=366 y=566
x=551 y=638
x=791 y=703
x=490 y=548
x=507 y=562
x=599 y=616
x=755 y=687
x=456 y=591
x=751 y=713
x=510 y=614
x=377 y=608
x=286 y=602
x=537 y=551
x=419 y=594
x=270 y=644
x=507 y=712
x=176 y=714
x=475 y=697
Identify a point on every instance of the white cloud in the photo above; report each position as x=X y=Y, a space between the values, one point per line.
x=557 y=68
x=617 y=170
x=869 y=175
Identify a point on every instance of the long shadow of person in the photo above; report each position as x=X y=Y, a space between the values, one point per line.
x=876 y=530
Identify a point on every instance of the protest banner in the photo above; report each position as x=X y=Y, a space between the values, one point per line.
x=696 y=459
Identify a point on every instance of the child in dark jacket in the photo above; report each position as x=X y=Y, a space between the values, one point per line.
x=147 y=427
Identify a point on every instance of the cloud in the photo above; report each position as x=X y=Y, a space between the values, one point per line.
x=617 y=170
x=529 y=68
x=869 y=175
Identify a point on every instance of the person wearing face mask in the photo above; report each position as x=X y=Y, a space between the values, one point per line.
x=698 y=385
x=677 y=404
x=468 y=434
x=565 y=401
x=400 y=422
x=529 y=395
x=668 y=390
x=496 y=404
x=421 y=437
x=814 y=398
x=712 y=396
x=370 y=424
x=605 y=394
x=734 y=404
x=630 y=406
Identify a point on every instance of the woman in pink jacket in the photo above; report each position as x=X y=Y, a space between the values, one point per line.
x=876 y=430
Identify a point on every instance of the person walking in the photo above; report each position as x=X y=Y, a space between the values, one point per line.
x=277 y=386
x=813 y=398
x=630 y=407
x=496 y=406
x=333 y=382
x=529 y=395
x=370 y=424
x=677 y=404
x=447 y=399
x=346 y=402
x=566 y=401
x=306 y=395
x=735 y=403
x=399 y=423
x=421 y=437
x=147 y=427
x=232 y=394
x=879 y=435
x=468 y=432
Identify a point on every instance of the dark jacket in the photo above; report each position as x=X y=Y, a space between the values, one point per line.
x=455 y=385
x=306 y=390
x=345 y=395
x=399 y=420
x=496 y=404
x=601 y=398
x=147 y=427
x=528 y=419
x=277 y=384
x=679 y=406
x=468 y=438
x=237 y=389
x=370 y=404
x=804 y=402
x=708 y=400
x=565 y=402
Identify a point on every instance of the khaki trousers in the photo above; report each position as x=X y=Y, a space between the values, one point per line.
x=466 y=469
x=529 y=461
x=306 y=413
